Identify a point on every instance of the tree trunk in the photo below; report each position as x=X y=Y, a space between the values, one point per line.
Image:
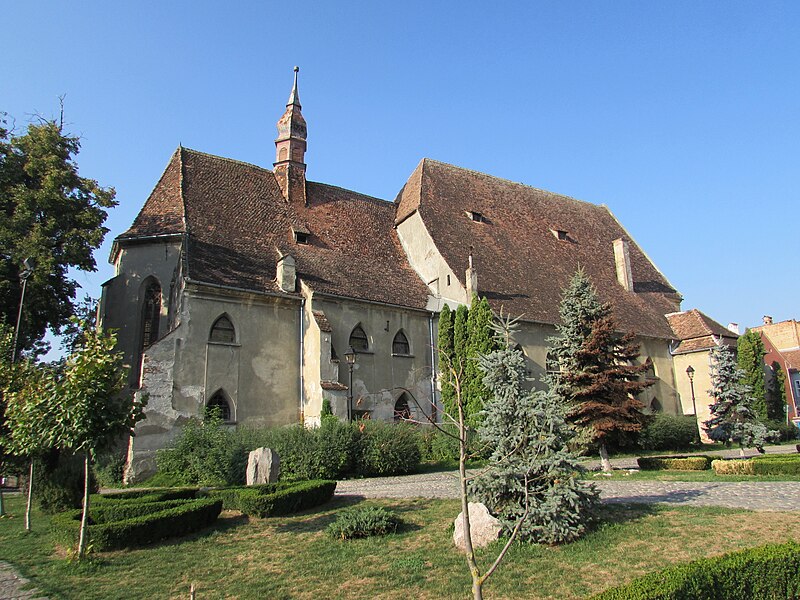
x=477 y=580
x=2 y=505
x=741 y=451
x=30 y=498
x=604 y=462
x=85 y=517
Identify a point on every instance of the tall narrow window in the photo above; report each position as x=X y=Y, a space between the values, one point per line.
x=400 y=344
x=551 y=363
x=402 y=411
x=222 y=331
x=650 y=373
x=219 y=403
x=151 y=314
x=358 y=340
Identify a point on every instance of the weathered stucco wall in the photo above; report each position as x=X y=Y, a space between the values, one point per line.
x=701 y=363
x=379 y=377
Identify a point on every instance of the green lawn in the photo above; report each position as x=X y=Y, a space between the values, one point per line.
x=291 y=557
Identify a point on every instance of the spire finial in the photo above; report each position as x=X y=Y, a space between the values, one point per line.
x=294 y=97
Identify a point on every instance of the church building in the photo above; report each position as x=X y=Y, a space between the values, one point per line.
x=253 y=289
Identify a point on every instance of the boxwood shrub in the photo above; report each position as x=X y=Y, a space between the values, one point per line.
x=128 y=524
x=147 y=495
x=674 y=463
x=670 y=432
x=781 y=464
x=763 y=573
x=275 y=499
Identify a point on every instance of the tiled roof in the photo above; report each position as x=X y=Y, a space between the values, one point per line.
x=322 y=321
x=522 y=266
x=238 y=221
x=162 y=213
x=792 y=358
x=697 y=331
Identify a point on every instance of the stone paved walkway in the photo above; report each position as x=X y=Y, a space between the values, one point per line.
x=11 y=584
x=775 y=496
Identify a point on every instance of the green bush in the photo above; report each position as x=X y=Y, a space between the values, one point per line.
x=733 y=467
x=275 y=499
x=787 y=432
x=670 y=432
x=674 y=463
x=109 y=469
x=388 y=449
x=204 y=453
x=776 y=465
x=442 y=446
x=124 y=525
x=763 y=573
x=361 y=522
x=58 y=481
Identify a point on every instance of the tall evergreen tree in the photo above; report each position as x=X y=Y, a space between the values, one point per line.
x=531 y=482
x=733 y=419
x=598 y=378
x=446 y=356
x=480 y=341
x=750 y=359
x=776 y=393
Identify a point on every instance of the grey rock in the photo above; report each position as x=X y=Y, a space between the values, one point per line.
x=263 y=466
x=483 y=527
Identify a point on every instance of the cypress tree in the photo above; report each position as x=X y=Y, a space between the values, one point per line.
x=733 y=419
x=598 y=380
x=460 y=341
x=750 y=359
x=446 y=357
x=776 y=393
x=480 y=341
x=528 y=436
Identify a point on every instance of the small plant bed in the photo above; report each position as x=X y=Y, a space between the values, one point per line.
x=674 y=463
x=362 y=522
x=275 y=499
x=127 y=524
x=771 y=571
x=783 y=464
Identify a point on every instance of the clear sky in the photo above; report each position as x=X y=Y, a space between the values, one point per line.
x=682 y=117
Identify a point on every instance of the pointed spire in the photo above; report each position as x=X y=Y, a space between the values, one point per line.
x=294 y=97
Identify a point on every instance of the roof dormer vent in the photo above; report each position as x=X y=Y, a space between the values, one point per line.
x=561 y=234
x=301 y=235
x=476 y=216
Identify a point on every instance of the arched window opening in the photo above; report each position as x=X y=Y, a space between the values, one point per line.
x=219 y=404
x=650 y=373
x=551 y=363
x=151 y=314
x=358 y=340
x=222 y=331
x=402 y=411
x=655 y=406
x=400 y=344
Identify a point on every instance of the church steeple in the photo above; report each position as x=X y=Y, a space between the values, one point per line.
x=290 y=148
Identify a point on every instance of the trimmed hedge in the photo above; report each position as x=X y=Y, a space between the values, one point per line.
x=128 y=524
x=147 y=495
x=759 y=465
x=674 y=463
x=763 y=573
x=275 y=499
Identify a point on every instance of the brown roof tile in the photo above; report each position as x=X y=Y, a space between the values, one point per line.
x=522 y=267
x=692 y=323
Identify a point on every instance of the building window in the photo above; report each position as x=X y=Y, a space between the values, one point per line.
x=650 y=373
x=551 y=363
x=476 y=216
x=358 y=340
x=560 y=234
x=301 y=237
x=219 y=404
x=222 y=331
x=151 y=314
x=402 y=411
x=655 y=406
x=400 y=344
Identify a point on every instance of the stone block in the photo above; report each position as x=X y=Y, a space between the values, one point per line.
x=263 y=466
x=483 y=527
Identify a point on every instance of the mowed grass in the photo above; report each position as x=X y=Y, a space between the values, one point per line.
x=292 y=557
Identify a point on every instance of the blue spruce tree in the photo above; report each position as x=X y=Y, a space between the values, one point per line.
x=532 y=481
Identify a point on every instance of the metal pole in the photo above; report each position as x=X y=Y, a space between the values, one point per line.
x=694 y=408
x=25 y=276
x=350 y=395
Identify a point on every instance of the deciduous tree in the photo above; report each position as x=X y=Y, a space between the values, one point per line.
x=51 y=215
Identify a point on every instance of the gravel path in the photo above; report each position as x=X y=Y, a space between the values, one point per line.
x=11 y=582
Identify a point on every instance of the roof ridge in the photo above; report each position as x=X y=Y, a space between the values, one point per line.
x=365 y=196
x=517 y=183
x=226 y=159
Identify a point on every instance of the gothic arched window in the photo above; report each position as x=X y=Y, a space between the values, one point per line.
x=358 y=339
x=650 y=373
x=222 y=331
x=219 y=403
x=151 y=313
x=402 y=411
x=400 y=344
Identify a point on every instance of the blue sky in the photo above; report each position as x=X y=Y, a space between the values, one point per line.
x=682 y=117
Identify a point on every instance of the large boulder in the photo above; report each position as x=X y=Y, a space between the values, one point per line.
x=263 y=466
x=483 y=527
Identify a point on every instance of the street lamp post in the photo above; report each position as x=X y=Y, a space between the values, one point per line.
x=350 y=358
x=26 y=273
x=690 y=374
